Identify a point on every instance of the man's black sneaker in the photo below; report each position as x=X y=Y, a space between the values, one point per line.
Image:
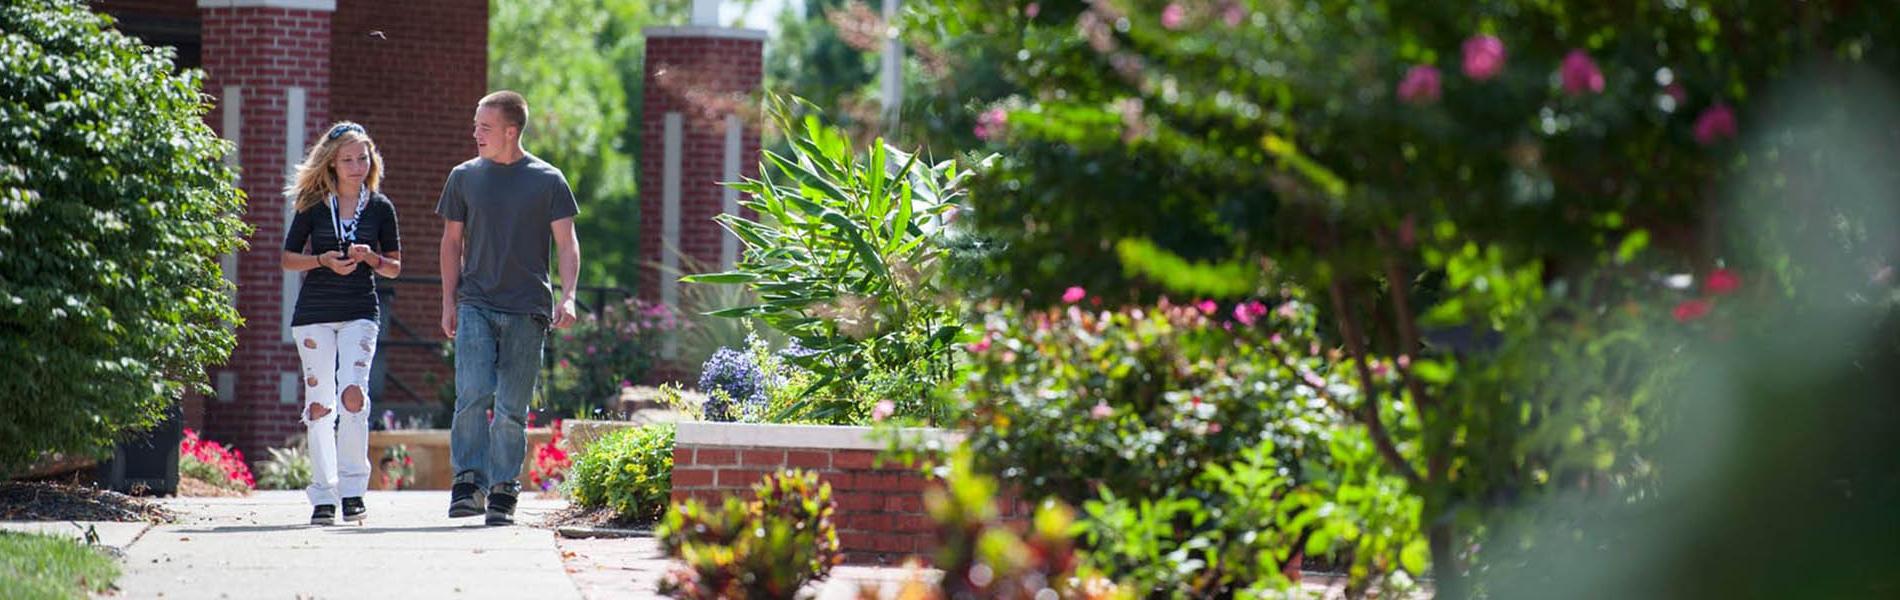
x=465 y=497
x=325 y=514
x=501 y=503
x=353 y=509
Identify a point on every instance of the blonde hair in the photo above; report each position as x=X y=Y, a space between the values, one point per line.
x=315 y=180
x=513 y=107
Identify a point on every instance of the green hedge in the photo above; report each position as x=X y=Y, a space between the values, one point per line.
x=115 y=207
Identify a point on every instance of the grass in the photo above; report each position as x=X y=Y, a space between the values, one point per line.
x=39 y=566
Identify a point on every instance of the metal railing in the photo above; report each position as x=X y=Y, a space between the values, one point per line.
x=398 y=334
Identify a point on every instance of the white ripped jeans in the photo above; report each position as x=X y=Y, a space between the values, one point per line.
x=336 y=356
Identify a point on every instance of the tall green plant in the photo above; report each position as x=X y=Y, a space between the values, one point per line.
x=115 y=207
x=844 y=252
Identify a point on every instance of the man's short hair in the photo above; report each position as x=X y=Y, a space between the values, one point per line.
x=513 y=107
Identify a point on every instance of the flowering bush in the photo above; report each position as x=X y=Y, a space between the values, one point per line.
x=1138 y=401
x=550 y=462
x=605 y=351
x=213 y=463
x=629 y=471
x=399 y=469
x=733 y=383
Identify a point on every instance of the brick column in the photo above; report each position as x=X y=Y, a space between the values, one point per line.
x=267 y=64
x=699 y=128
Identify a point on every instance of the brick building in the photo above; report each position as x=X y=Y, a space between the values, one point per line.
x=280 y=71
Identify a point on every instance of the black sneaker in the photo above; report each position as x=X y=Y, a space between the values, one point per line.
x=325 y=514
x=501 y=503
x=353 y=509
x=465 y=498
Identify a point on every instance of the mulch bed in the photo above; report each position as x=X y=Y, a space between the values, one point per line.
x=600 y=517
x=47 y=501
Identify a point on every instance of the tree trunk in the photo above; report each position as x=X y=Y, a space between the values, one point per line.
x=1448 y=582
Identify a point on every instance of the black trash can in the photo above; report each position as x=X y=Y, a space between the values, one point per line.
x=147 y=461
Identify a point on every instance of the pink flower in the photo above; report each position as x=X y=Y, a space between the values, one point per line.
x=1233 y=15
x=1405 y=361
x=1207 y=306
x=1276 y=339
x=1074 y=294
x=1420 y=85
x=1691 y=310
x=1032 y=10
x=1249 y=312
x=883 y=410
x=1715 y=124
x=1723 y=281
x=1213 y=428
x=1313 y=380
x=979 y=345
x=1677 y=93
x=1101 y=411
x=1288 y=310
x=1378 y=368
x=1580 y=74
x=991 y=123
x=626 y=384
x=1173 y=15
x=1484 y=57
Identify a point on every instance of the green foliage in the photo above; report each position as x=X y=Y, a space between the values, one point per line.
x=579 y=64
x=845 y=258
x=768 y=548
x=114 y=210
x=1206 y=449
x=1483 y=230
x=286 y=469
x=629 y=471
x=1139 y=401
x=37 y=567
x=810 y=57
x=983 y=557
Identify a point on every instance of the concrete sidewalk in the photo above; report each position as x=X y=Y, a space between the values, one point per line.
x=262 y=546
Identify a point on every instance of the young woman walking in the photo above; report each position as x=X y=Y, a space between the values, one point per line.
x=342 y=237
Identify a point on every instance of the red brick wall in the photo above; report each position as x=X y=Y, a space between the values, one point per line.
x=266 y=51
x=880 y=515
x=704 y=79
x=411 y=73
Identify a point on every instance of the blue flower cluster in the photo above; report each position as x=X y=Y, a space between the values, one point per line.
x=734 y=373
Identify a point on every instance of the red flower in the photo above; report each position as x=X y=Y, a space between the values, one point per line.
x=1723 y=281
x=1690 y=310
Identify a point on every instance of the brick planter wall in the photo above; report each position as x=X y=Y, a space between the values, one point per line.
x=880 y=517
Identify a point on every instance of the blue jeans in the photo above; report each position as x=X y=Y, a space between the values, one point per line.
x=497 y=360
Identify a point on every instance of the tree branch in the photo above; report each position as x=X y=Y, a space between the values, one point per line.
x=1381 y=438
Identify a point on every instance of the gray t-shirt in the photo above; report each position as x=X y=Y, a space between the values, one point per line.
x=505 y=211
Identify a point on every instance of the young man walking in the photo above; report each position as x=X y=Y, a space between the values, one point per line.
x=503 y=209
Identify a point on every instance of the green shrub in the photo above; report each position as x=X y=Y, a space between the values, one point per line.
x=114 y=210
x=1138 y=401
x=767 y=548
x=846 y=257
x=286 y=469
x=604 y=351
x=629 y=471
